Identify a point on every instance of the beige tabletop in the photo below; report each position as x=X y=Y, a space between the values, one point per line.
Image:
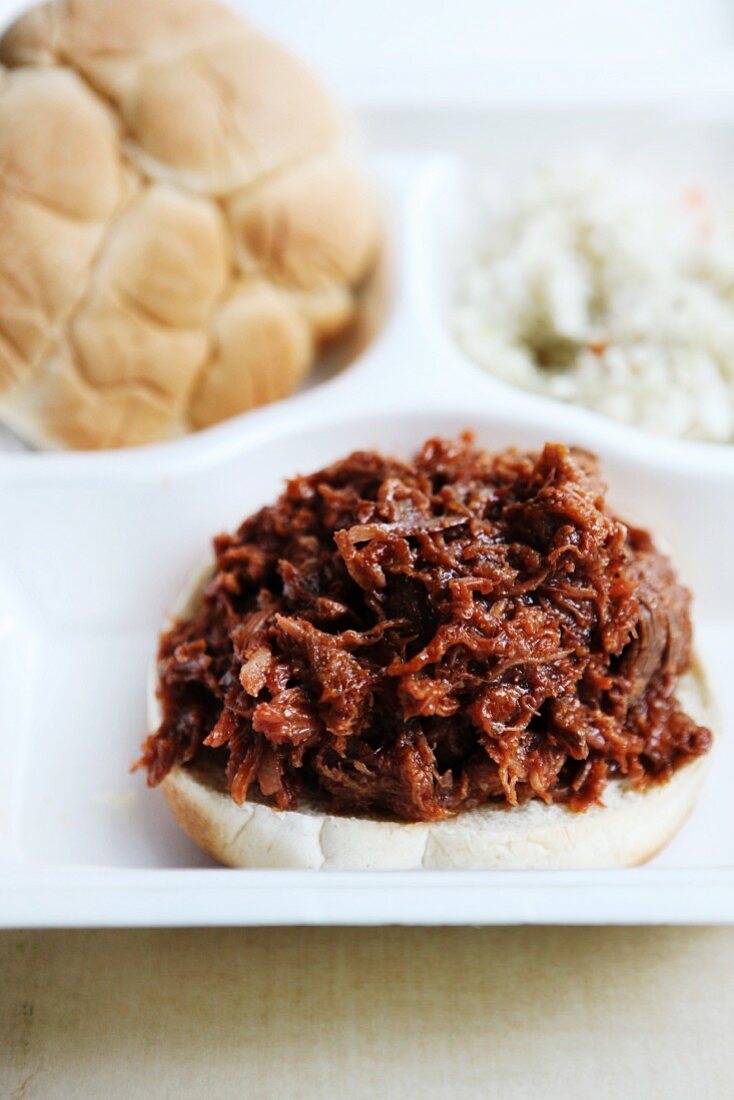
x=393 y=1013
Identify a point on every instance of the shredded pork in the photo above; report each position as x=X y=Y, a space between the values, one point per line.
x=414 y=639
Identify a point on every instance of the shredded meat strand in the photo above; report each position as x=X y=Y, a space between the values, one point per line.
x=417 y=639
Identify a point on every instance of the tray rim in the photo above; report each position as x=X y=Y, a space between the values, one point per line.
x=101 y=897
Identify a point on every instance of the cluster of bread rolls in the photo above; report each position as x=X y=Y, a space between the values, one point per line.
x=181 y=225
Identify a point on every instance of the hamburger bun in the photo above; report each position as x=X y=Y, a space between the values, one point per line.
x=630 y=828
x=184 y=225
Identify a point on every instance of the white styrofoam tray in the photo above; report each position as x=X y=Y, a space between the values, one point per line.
x=94 y=548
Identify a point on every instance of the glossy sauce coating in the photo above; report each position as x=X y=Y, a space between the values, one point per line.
x=413 y=639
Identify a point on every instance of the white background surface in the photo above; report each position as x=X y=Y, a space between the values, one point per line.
x=436 y=51
x=516 y=49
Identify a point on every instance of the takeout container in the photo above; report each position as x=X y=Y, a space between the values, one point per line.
x=94 y=548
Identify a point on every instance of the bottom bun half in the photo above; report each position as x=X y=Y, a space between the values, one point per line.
x=628 y=829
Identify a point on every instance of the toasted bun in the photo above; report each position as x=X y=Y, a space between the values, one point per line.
x=182 y=222
x=629 y=829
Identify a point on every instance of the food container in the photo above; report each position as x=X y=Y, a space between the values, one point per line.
x=94 y=548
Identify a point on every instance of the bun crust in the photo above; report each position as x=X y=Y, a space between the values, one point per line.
x=629 y=829
x=183 y=225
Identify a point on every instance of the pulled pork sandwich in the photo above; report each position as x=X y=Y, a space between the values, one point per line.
x=462 y=661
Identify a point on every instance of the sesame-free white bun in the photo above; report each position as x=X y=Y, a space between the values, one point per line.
x=629 y=829
x=183 y=222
